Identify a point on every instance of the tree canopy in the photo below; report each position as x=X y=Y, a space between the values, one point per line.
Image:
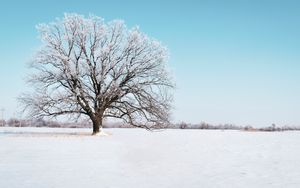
x=101 y=70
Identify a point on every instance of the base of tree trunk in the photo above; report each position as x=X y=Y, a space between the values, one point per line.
x=100 y=133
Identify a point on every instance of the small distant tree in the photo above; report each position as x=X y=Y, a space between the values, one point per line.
x=14 y=122
x=2 y=122
x=183 y=125
x=273 y=126
x=39 y=123
x=100 y=70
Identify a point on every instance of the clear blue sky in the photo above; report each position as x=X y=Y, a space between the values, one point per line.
x=233 y=61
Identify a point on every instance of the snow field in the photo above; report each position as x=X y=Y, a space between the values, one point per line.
x=71 y=158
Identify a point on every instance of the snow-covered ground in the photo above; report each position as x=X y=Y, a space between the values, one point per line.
x=129 y=158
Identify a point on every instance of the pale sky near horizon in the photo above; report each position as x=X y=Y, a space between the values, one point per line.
x=234 y=61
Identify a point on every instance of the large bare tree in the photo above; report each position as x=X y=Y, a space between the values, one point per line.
x=101 y=70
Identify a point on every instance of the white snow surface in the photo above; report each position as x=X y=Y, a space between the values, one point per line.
x=134 y=158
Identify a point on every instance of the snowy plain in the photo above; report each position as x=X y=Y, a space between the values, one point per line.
x=71 y=158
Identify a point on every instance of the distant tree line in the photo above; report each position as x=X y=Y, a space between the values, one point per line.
x=204 y=125
x=14 y=122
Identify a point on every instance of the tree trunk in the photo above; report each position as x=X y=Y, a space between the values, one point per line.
x=97 y=125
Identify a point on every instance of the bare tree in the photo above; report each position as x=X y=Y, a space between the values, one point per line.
x=101 y=70
x=2 y=117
